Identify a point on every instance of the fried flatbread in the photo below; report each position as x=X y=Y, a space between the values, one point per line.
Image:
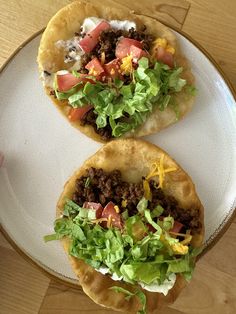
x=69 y=20
x=134 y=161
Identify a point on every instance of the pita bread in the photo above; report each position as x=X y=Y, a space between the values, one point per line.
x=135 y=158
x=69 y=20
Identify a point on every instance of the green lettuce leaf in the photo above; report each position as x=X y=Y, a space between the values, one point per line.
x=134 y=253
x=127 y=106
x=149 y=219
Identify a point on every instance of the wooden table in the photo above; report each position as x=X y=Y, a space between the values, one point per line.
x=23 y=288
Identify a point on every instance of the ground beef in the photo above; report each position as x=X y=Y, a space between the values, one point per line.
x=104 y=187
x=141 y=35
x=107 y=44
x=90 y=119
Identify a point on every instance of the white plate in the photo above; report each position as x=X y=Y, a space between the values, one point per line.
x=42 y=150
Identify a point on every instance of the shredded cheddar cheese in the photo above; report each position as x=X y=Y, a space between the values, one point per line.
x=170 y=49
x=179 y=248
x=127 y=65
x=109 y=221
x=187 y=240
x=124 y=203
x=162 y=42
x=92 y=71
x=117 y=209
x=103 y=57
x=112 y=72
x=147 y=190
x=159 y=170
x=186 y=235
x=97 y=221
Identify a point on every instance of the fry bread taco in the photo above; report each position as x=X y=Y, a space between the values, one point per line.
x=114 y=74
x=132 y=225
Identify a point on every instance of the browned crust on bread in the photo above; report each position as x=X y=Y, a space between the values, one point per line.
x=68 y=21
x=133 y=158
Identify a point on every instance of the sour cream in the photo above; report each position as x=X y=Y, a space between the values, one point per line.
x=154 y=287
x=103 y=270
x=163 y=288
x=91 y=22
x=123 y=25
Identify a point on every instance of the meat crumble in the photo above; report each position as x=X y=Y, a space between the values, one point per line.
x=102 y=187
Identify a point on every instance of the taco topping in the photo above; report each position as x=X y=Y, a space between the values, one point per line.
x=121 y=234
x=123 y=73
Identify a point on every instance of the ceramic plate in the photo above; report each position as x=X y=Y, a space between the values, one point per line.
x=42 y=150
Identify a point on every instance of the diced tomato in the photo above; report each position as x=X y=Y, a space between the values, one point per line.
x=96 y=206
x=112 y=68
x=123 y=47
x=177 y=227
x=109 y=210
x=67 y=81
x=137 y=52
x=95 y=67
x=164 y=56
x=91 y=38
x=77 y=113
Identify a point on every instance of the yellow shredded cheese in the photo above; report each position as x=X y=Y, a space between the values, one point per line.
x=187 y=240
x=159 y=170
x=186 y=235
x=124 y=203
x=109 y=221
x=112 y=72
x=127 y=65
x=147 y=190
x=170 y=49
x=179 y=248
x=97 y=221
x=162 y=42
x=92 y=71
x=117 y=209
x=103 y=57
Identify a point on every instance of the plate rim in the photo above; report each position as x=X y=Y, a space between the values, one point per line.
x=216 y=236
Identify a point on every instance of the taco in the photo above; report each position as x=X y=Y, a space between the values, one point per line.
x=114 y=74
x=132 y=225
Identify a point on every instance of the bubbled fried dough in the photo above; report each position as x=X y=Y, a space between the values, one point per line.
x=135 y=159
x=68 y=21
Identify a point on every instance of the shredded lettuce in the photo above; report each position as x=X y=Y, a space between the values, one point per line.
x=149 y=219
x=142 y=205
x=157 y=211
x=128 y=294
x=125 y=107
x=167 y=223
x=135 y=253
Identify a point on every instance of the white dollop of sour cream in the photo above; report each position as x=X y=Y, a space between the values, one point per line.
x=103 y=270
x=154 y=287
x=91 y=22
x=124 y=25
x=163 y=288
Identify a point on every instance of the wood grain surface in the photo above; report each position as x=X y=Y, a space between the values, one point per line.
x=23 y=288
